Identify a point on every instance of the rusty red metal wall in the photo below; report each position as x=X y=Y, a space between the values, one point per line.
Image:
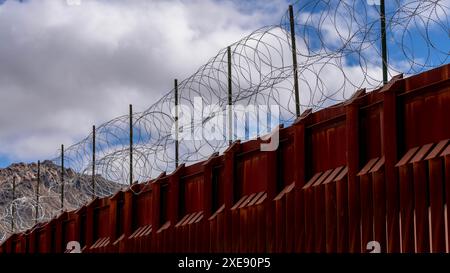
x=375 y=168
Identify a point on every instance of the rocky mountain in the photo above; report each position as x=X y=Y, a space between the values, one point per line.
x=20 y=205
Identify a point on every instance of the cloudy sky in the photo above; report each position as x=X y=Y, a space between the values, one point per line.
x=66 y=67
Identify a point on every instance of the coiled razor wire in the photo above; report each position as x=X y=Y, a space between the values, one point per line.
x=338 y=51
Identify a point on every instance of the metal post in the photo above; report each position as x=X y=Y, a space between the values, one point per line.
x=62 y=177
x=93 y=161
x=37 y=190
x=176 y=124
x=131 y=144
x=383 y=41
x=13 y=208
x=294 y=61
x=230 y=102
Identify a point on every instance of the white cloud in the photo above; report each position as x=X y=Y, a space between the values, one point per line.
x=63 y=68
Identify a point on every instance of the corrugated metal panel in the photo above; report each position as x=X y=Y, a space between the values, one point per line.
x=332 y=186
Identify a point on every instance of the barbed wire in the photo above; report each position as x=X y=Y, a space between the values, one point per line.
x=338 y=51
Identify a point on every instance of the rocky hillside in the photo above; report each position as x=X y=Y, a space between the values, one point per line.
x=77 y=192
